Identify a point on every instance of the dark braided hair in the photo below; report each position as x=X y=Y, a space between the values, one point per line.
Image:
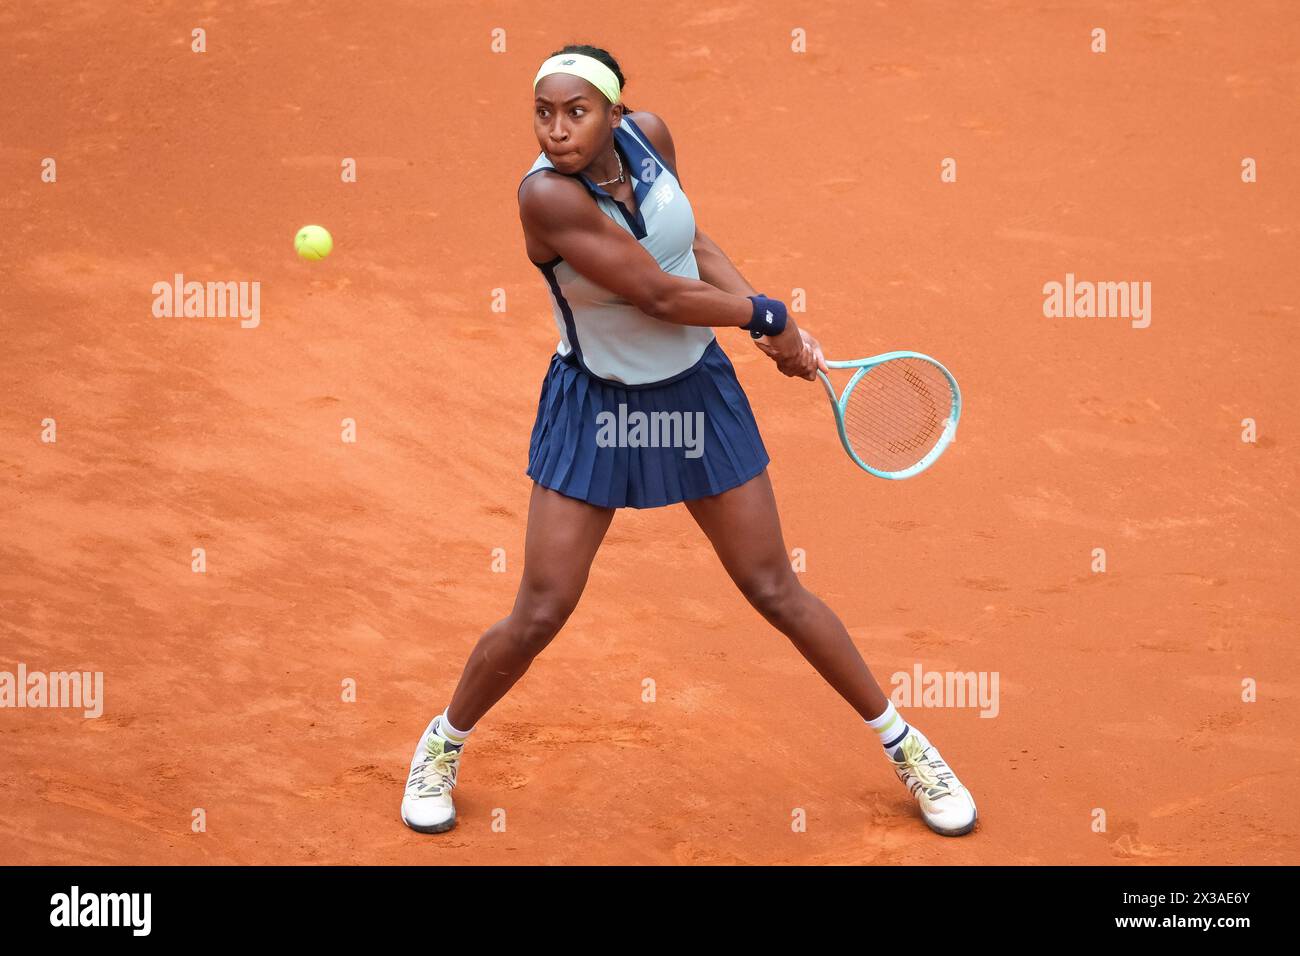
x=603 y=56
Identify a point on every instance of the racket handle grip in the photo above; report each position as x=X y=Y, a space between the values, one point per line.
x=755 y=335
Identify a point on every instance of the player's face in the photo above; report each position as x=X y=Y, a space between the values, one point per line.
x=573 y=121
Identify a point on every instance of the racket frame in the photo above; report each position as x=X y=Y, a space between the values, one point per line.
x=864 y=366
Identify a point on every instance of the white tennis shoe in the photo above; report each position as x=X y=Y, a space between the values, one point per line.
x=947 y=806
x=427 y=805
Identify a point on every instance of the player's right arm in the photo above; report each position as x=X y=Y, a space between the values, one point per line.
x=558 y=215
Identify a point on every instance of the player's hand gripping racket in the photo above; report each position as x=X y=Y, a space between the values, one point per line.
x=897 y=413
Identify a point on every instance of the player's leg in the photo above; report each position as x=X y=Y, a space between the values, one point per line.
x=561 y=541
x=745 y=530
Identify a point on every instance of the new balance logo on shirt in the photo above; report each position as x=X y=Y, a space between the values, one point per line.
x=664 y=195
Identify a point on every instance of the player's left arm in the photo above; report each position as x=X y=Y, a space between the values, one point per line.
x=718 y=270
x=715 y=267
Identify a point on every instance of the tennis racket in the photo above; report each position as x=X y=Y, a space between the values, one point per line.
x=897 y=413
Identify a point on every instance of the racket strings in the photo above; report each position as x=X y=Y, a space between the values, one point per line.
x=882 y=399
x=901 y=416
x=910 y=425
x=897 y=412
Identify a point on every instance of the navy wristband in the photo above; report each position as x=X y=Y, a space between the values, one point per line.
x=769 y=316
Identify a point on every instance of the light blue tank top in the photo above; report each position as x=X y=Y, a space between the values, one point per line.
x=602 y=332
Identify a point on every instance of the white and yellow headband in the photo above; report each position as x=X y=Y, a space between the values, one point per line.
x=588 y=67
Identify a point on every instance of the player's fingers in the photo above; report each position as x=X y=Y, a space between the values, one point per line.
x=785 y=362
x=800 y=369
x=808 y=363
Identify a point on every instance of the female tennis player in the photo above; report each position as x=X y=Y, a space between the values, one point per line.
x=637 y=291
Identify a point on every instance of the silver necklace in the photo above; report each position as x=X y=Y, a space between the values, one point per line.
x=619 y=177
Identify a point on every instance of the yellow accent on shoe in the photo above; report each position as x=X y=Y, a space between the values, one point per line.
x=916 y=762
x=441 y=764
x=427 y=805
x=947 y=806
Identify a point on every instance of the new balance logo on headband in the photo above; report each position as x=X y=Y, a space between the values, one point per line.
x=568 y=62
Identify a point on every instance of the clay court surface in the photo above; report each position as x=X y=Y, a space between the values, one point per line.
x=372 y=561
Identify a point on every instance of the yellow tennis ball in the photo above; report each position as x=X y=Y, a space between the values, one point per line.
x=313 y=242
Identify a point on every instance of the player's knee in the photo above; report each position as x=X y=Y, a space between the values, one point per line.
x=538 y=622
x=774 y=594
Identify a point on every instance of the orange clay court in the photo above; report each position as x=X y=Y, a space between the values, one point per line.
x=1120 y=691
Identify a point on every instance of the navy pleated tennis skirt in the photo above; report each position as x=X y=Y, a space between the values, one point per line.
x=644 y=446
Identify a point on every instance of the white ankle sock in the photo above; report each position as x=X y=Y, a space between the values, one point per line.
x=445 y=729
x=890 y=727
